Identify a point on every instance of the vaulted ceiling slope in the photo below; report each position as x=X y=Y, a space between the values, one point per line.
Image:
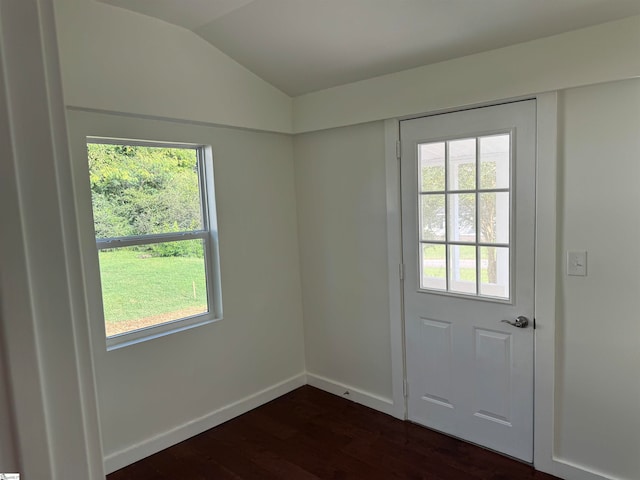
x=302 y=46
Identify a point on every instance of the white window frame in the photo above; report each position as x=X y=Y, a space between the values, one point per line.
x=208 y=234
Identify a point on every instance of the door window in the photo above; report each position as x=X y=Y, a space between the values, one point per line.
x=464 y=205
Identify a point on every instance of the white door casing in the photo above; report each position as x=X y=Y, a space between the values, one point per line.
x=469 y=374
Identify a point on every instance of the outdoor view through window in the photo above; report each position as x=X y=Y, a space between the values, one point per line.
x=151 y=226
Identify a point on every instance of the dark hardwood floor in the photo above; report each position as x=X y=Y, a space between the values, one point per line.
x=309 y=434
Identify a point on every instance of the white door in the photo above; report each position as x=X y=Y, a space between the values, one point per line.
x=468 y=216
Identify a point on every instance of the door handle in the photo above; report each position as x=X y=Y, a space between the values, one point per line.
x=520 y=322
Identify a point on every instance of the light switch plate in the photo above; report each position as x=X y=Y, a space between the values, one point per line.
x=577 y=263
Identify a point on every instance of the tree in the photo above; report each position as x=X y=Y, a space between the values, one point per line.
x=138 y=190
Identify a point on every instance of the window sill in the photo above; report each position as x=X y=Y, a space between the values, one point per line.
x=150 y=333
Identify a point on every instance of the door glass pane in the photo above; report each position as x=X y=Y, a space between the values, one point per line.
x=462 y=268
x=433 y=266
x=494 y=161
x=462 y=164
x=432 y=217
x=467 y=209
x=462 y=217
x=494 y=217
x=494 y=275
x=431 y=158
x=147 y=285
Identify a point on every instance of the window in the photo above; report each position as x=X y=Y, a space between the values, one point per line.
x=156 y=236
x=464 y=199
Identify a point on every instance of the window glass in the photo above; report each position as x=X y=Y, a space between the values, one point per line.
x=432 y=158
x=152 y=234
x=461 y=164
x=140 y=190
x=148 y=285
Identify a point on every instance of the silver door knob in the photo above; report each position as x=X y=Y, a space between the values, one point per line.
x=520 y=322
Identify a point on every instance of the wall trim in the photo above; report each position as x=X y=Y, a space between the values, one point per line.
x=160 y=118
x=394 y=259
x=368 y=399
x=571 y=471
x=138 y=451
x=545 y=280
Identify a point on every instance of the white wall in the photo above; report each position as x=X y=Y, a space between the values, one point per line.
x=596 y=54
x=114 y=59
x=340 y=183
x=181 y=380
x=598 y=386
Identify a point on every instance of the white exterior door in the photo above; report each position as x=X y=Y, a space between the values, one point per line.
x=468 y=216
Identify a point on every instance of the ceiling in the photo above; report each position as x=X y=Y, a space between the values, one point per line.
x=301 y=46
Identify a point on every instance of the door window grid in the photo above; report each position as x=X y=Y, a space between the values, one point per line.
x=464 y=202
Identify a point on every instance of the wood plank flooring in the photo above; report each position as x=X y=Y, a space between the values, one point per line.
x=309 y=434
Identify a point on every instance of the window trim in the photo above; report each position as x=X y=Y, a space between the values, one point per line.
x=208 y=233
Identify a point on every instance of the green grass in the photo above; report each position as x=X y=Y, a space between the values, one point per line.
x=437 y=252
x=468 y=274
x=136 y=285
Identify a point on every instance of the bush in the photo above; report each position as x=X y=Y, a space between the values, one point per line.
x=187 y=248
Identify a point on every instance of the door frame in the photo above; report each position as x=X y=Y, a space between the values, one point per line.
x=546 y=257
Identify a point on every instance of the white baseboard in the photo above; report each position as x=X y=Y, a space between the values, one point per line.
x=371 y=400
x=571 y=471
x=136 y=452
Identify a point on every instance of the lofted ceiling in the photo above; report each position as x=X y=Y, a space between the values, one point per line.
x=301 y=46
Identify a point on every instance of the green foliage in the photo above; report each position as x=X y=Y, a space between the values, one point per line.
x=140 y=190
x=433 y=178
x=185 y=248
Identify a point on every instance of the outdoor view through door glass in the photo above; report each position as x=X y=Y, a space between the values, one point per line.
x=464 y=199
x=151 y=234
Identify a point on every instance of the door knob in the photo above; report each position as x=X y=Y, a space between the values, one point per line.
x=520 y=322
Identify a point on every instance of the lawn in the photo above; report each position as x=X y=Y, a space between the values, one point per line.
x=468 y=274
x=434 y=263
x=136 y=285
